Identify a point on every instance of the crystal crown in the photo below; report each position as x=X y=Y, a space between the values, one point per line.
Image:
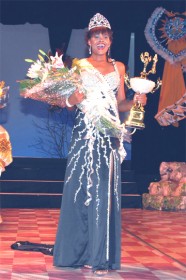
x=98 y=20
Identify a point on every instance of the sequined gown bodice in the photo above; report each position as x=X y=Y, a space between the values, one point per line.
x=89 y=224
x=112 y=79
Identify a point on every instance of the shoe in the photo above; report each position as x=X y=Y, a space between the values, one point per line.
x=101 y=272
x=87 y=266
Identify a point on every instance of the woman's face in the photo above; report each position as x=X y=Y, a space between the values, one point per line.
x=99 y=42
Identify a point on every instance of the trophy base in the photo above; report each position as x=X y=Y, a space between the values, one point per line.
x=136 y=117
x=135 y=125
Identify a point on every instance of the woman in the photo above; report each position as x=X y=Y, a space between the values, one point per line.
x=89 y=226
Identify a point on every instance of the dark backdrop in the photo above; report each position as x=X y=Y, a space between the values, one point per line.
x=155 y=143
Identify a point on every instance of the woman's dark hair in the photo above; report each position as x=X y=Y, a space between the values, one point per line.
x=102 y=30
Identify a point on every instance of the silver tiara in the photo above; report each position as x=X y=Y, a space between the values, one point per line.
x=98 y=21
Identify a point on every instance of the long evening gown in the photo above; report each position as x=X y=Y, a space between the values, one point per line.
x=89 y=225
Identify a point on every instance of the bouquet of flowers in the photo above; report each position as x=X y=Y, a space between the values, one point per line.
x=52 y=82
x=3 y=94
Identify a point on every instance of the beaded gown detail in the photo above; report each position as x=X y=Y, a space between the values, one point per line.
x=89 y=225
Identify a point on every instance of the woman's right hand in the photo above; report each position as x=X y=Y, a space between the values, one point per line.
x=76 y=97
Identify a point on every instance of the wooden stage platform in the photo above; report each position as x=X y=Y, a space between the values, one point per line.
x=153 y=246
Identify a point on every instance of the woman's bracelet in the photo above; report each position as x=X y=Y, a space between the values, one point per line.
x=68 y=104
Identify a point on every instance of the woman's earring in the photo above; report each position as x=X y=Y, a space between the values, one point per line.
x=108 y=52
x=90 y=50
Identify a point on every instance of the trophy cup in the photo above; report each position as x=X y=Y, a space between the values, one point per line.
x=143 y=86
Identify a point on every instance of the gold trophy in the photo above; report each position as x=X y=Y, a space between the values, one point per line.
x=143 y=86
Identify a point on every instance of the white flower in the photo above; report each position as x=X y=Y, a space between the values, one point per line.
x=57 y=61
x=44 y=74
x=47 y=66
x=35 y=70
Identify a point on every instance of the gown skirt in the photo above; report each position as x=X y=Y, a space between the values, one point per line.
x=89 y=229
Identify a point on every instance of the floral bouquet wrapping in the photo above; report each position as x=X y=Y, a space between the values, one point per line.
x=52 y=82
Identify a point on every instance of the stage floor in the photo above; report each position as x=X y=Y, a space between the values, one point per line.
x=153 y=246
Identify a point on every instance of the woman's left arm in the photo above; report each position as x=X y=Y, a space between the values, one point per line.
x=125 y=105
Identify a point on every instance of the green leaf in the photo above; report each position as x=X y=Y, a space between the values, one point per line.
x=28 y=83
x=29 y=60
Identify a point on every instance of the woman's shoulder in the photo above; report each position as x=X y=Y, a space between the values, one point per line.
x=120 y=65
